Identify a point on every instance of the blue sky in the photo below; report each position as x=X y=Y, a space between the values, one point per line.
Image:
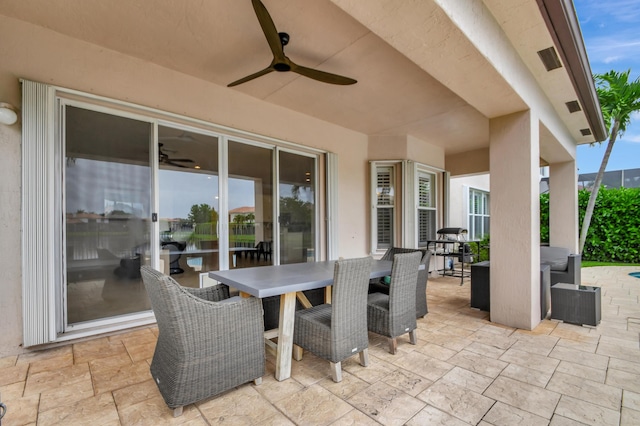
x=611 y=33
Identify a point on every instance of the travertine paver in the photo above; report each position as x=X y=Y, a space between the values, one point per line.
x=464 y=370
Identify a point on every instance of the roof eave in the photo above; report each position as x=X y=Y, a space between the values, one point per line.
x=562 y=22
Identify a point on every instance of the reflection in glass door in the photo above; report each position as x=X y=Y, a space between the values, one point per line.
x=107 y=209
x=189 y=204
x=250 y=202
x=297 y=192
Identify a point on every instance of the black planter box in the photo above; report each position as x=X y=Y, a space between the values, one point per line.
x=576 y=304
x=480 y=286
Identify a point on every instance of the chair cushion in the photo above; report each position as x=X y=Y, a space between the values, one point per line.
x=556 y=257
x=234 y=299
x=379 y=300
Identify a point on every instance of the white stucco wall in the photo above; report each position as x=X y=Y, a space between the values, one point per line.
x=11 y=294
x=458 y=205
x=38 y=54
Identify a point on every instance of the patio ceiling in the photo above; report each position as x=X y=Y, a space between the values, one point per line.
x=417 y=73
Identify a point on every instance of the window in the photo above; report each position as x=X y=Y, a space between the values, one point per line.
x=426 y=208
x=384 y=206
x=404 y=205
x=478 y=214
x=385 y=195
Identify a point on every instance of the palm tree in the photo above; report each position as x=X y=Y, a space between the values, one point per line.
x=619 y=98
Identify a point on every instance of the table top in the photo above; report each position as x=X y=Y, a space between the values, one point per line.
x=265 y=281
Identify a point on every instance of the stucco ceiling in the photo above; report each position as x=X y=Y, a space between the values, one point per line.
x=394 y=48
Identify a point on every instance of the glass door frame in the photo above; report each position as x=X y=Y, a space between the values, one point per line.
x=276 y=204
x=61 y=266
x=121 y=110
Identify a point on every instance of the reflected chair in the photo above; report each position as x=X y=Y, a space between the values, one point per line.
x=338 y=330
x=394 y=314
x=377 y=286
x=264 y=249
x=208 y=343
x=175 y=252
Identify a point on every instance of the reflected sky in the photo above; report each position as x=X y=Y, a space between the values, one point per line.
x=94 y=186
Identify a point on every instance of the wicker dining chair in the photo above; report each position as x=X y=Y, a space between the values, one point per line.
x=376 y=286
x=394 y=314
x=208 y=343
x=338 y=330
x=271 y=306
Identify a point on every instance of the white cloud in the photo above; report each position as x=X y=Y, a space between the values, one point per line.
x=627 y=11
x=610 y=32
x=630 y=138
x=613 y=46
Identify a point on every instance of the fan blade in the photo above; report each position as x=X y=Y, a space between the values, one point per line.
x=171 y=163
x=269 y=29
x=323 y=76
x=251 y=77
x=183 y=160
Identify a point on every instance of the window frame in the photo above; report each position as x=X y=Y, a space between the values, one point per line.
x=396 y=182
x=433 y=177
x=484 y=212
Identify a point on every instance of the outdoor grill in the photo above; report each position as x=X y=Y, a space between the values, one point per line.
x=452 y=244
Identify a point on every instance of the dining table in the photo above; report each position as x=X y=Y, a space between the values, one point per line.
x=287 y=281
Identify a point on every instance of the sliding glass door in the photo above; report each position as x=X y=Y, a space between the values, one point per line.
x=189 y=207
x=107 y=186
x=250 y=204
x=139 y=191
x=297 y=207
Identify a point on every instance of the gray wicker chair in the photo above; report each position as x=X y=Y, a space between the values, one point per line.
x=376 y=286
x=208 y=343
x=339 y=330
x=271 y=305
x=395 y=314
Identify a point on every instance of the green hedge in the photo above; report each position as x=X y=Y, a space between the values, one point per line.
x=614 y=233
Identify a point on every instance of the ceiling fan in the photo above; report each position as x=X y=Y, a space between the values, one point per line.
x=164 y=158
x=280 y=62
x=184 y=137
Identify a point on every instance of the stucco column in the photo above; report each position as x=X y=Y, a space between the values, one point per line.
x=563 y=205
x=515 y=220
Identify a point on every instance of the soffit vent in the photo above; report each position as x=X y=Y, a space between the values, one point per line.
x=573 y=106
x=585 y=132
x=549 y=58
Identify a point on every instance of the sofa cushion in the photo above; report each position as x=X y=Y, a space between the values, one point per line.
x=556 y=257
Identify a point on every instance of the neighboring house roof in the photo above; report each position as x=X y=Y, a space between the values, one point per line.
x=242 y=210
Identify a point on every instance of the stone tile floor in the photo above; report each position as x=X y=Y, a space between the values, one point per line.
x=464 y=370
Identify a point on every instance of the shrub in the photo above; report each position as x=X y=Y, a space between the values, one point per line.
x=614 y=233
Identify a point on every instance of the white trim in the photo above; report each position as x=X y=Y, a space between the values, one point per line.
x=410 y=204
x=164 y=115
x=466 y=206
x=223 y=201
x=446 y=198
x=38 y=224
x=331 y=215
x=275 y=233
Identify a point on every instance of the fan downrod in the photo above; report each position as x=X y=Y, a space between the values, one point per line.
x=282 y=66
x=284 y=38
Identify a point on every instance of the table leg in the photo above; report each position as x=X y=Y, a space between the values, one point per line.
x=327 y=294
x=285 y=336
x=304 y=301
